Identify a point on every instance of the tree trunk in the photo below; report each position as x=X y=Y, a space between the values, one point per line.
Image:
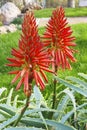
x=24 y=3
x=48 y=3
x=71 y=3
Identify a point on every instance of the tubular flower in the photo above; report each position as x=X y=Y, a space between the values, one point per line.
x=58 y=37
x=30 y=57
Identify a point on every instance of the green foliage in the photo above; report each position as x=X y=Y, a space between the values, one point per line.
x=34 y=117
x=70 y=12
x=10 y=113
x=75 y=85
x=2 y=90
x=17 y=21
x=23 y=128
x=54 y=124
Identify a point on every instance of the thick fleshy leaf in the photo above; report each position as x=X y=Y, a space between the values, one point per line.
x=9 y=97
x=23 y=128
x=7 y=109
x=38 y=122
x=73 y=87
x=65 y=117
x=2 y=90
x=14 y=118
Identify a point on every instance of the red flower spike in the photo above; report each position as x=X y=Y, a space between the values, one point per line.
x=19 y=83
x=30 y=57
x=58 y=37
x=14 y=72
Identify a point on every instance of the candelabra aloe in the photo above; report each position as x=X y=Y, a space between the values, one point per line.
x=31 y=57
x=58 y=38
x=34 y=56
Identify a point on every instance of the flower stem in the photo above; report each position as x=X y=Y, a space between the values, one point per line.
x=22 y=112
x=54 y=95
x=54 y=90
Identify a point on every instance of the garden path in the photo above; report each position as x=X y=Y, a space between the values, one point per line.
x=72 y=20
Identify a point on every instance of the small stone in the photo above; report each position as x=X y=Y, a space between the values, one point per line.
x=8 y=28
x=3 y=30
x=11 y=28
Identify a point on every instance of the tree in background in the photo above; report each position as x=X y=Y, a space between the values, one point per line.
x=71 y=3
x=24 y=3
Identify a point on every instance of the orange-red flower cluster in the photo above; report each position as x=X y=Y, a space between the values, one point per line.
x=59 y=39
x=31 y=58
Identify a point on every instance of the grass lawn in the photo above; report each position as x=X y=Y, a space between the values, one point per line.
x=7 y=41
x=70 y=12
